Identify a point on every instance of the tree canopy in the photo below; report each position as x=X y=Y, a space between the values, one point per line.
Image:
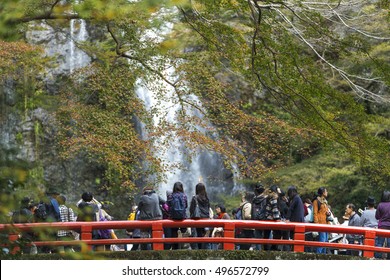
x=265 y=77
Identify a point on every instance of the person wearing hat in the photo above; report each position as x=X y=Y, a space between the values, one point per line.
x=52 y=206
x=368 y=216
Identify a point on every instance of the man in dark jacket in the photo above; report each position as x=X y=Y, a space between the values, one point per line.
x=354 y=221
x=296 y=210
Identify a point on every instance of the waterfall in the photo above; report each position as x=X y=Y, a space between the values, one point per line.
x=78 y=33
x=206 y=167
x=174 y=154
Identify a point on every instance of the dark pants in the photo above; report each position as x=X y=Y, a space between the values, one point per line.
x=145 y=233
x=309 y=237
x=267 y=235
x=259 y=233
x=168 y=234
x=135 y=246
x=281 y=234
x=380 y=241
x=353 y=252
x=246 y=233
x=175 y=234
x=199 y=232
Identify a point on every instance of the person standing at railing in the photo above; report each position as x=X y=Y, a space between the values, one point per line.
x=167 y=216
x=296 y=210
x=383 y=216
x=66 y=215
x=320 y=213
x=134 y=233
x=272 y=214
x=258 y=212
x=246 y=214
x=103 y=216
x=279 y=213
x=200 y=209
x=367 y=219
x=25 y=215
x=87 y=208
x=237 y=215
x=150 y=209
x=48 y=211
x=177 y=204
x=87 y=211
x=354 y=221
x=220 y=211
x=309 y=218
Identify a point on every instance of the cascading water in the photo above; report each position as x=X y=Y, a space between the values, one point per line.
x=62 y=45
x=204 y=166
x=190 y=172
x=78 y=33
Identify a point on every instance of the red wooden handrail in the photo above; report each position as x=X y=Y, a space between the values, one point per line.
x=228 y=241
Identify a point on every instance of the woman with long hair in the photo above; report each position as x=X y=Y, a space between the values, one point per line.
x=321 y=211
x=177 y=204
x=200 y=209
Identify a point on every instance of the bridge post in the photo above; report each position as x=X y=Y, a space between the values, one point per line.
x=157 y=232
x=299 y=235
x=86 y=234
x=229 y=229
x=369 y=240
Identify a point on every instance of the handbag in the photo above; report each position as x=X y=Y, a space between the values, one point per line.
x=196 y=213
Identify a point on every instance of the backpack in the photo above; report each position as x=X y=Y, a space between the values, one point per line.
x=238 y=215
x=103 y=233
x=47 y=211
x=53 y=211
x=310 y=216
x=87 y=212
x=178 y=207
x=41 y=212
x=259 y=205
x=22 y=216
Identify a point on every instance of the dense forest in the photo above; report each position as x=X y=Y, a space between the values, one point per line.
x=278 y=92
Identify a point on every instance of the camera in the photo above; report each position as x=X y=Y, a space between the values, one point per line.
x=329 y=218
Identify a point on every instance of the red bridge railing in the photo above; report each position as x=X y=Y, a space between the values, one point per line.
x=228 y=240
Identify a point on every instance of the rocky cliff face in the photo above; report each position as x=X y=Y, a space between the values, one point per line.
x=27 y=139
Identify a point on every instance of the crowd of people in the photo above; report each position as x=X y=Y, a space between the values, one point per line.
x=264 y=203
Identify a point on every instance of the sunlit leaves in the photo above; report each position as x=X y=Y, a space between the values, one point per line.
x=98 y=119
x=18 y=59
x=279 y=49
